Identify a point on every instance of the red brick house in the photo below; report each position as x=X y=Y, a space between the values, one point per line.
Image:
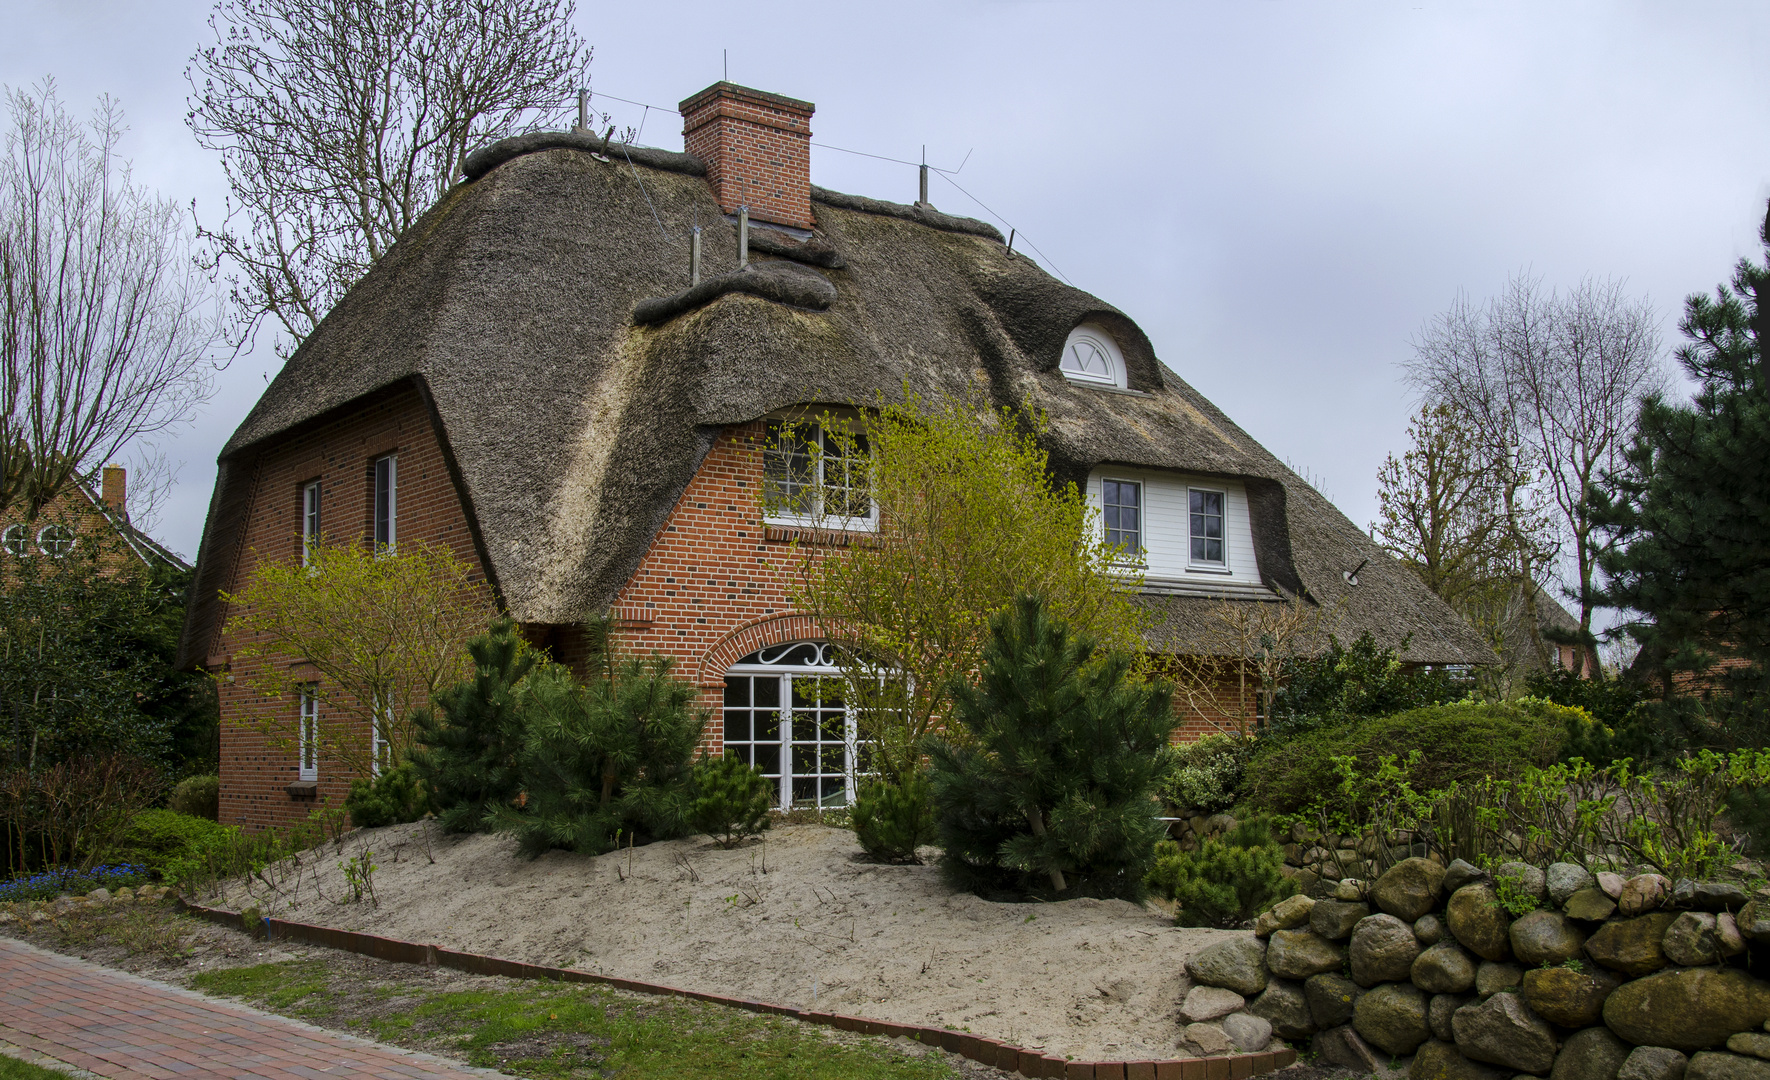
x=534 y=376
x=79 y=512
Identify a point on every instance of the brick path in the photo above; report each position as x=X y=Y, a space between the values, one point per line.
x=119 y=1025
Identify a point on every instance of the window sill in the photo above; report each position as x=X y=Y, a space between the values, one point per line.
x=303 y=789
x=1220 y=571
x=811 y=534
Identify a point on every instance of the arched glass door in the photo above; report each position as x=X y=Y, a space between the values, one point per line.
x=785 y=715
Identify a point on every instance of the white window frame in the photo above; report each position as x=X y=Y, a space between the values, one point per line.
x=820 y=459
x=310 y=519
x=1193 y=562
x=386 y=502
x=56 y=533
x=824 y=667
x=1135 y=554
x=307 y=762
x=1087 y=340
x=16 y=539
x=380 y=723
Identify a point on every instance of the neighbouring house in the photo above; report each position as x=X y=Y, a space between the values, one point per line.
x=533 y=376
x=78 y=512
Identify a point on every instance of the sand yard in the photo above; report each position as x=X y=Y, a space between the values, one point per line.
x=796 y=919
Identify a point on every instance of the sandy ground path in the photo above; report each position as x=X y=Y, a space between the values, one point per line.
x=796 y=919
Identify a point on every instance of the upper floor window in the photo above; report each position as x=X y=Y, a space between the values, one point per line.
x=310 y=519
x=17 y=540
x=1121 y=506
x=55 y=540
x=817 y=476
x=1207 y=526
x=1092 y=356
x=386 y=500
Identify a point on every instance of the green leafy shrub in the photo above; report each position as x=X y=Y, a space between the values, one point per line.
x=605 y=760
x=393 y=798
x=1051 y=790
x=467 y=749
x=1459 y=742
x=1226 y=882
x=1349 y=682
x=893 y=820
x=1204 y=775
x=732 y=799
x=165 y=841
x=197 y=796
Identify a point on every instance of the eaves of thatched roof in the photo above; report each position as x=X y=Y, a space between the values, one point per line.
x=574 y=426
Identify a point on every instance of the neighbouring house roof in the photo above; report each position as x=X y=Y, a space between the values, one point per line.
x=146 y=548
x=573 y=426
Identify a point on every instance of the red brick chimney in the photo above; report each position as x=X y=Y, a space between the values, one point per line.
x=114 y=489
x=757 y=147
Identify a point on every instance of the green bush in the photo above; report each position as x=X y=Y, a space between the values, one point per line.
x=1204 y=775
x=732 y=799
x=197 y=796
x=1052 y=792
x=893 y=820
x=1224 y=883
x=1350 y=682
x=166 y=841
x=393 y=798
x=1462 y=742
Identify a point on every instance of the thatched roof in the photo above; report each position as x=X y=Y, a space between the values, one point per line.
x=573 y=426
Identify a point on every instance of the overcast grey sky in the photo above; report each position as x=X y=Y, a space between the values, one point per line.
x=1280 y=193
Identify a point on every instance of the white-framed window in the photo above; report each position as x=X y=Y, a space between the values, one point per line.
x=308 y=749
x=380 y=742
x=811 y=476
x=17 y=540
x=1205 y=508
x=310 y=519
x=386 y=500
x=1090 y=355
x=785 y=715
x=1121 y=511
x=55 y=540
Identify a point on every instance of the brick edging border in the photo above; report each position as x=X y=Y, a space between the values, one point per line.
x=992 y=1052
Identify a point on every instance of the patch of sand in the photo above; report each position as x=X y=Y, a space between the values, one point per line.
x=796 y=919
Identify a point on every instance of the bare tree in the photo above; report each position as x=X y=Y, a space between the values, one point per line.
x=1554 y=383
x=339 y=122
x=107 y=331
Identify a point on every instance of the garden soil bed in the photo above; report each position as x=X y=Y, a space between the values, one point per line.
x=796 y=919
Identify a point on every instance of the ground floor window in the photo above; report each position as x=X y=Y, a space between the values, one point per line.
x=309 y=765
x=785 y=714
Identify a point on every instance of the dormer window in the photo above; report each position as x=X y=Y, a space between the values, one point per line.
x=817 y=477
x=1092 y=357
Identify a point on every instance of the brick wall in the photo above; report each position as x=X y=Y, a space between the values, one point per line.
x=757 y=147
x=339 y=453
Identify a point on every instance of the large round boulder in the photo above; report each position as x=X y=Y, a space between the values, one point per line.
x=1392 y=1017
x=1491 y=978
x=1545 y=937
x=1429 y=929
x=1573 y=999
x=1298 y=954
x=1525 y=878
x=1591 y=1054
x=1631 y=947
x=1460 y=873
x=1753 y=921
x=1238 y=964
x=1687 y=1009
x=1503 y=1031
x=1250 y=1034
x=1720 y=1066
x=1332 y=998
x=1565 y=879
x=1286 y=1008
x=1409 y=889
x=1440 y=1060
x=1477 y=920
x=1443 y=969
x=1643 y=893
x=1287 y=914
x=1383 y=950
x=1589 y=905
x=1205 y=1003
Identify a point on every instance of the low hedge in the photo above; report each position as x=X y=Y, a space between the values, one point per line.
x=1463 y=741
x=169 y=843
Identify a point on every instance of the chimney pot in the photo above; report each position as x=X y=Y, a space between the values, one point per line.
x=757 y=149
x=114 y=488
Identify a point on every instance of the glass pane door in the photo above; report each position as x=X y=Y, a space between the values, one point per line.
x=819 y=731
x=753 y=724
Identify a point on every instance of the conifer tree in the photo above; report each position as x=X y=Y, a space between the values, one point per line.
x=1691 y=515
x=1053 y=790
x=466 y=752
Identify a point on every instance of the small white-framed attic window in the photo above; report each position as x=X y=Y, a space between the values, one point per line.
x=1091 y=356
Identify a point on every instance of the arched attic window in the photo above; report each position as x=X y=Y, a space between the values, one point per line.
x=1092 y=357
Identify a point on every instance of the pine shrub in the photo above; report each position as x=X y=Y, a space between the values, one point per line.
x=197 y=796
x=606 y=762
x=732 y=799
x=1052 y=789
x=1226 y=882
x=893 y=820
x=393 y=798
x=466 y=752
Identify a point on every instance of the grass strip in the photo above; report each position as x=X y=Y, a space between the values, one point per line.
x=12 y=1068
x=545 y=1030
